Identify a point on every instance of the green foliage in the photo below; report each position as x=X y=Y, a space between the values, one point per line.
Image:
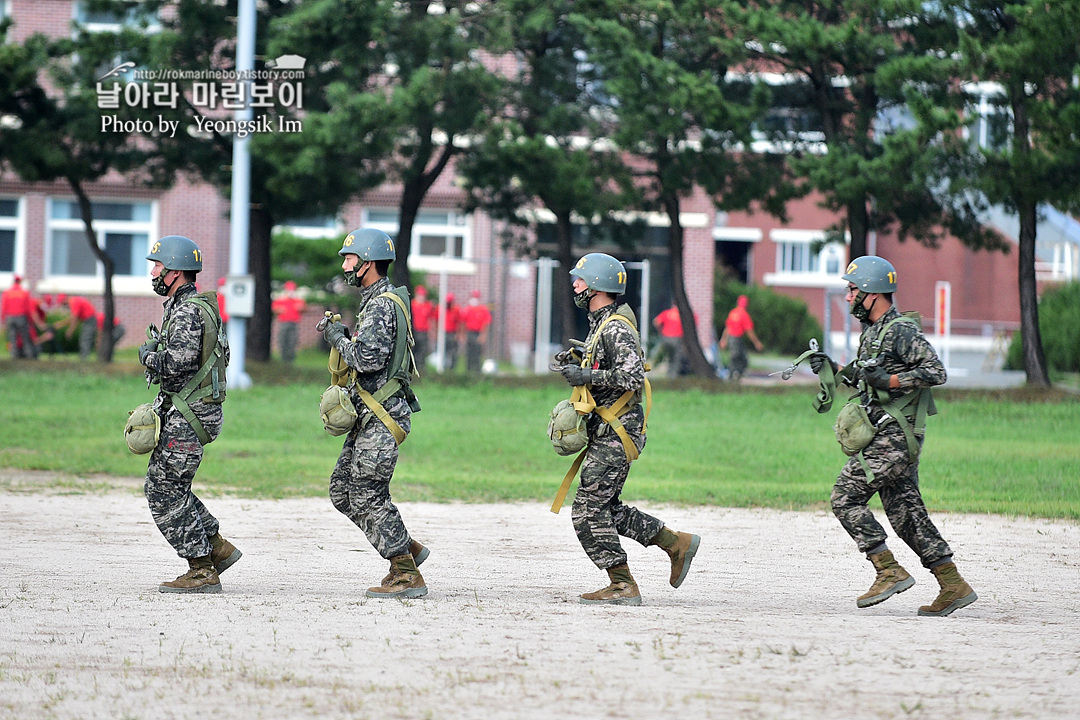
x=1059 y=326
x=485 y=441
x=783 y=324
x=309 y=262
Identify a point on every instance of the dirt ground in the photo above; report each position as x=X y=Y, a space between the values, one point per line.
x=765 y=625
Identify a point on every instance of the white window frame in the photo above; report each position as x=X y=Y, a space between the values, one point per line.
x=112 y=27
x=981 y=110
x=122 y=284
x=332 y=227
x=458 y=224
x=820 y=276
x=18 y=224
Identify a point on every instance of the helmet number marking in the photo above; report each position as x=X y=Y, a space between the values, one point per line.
x=621 y=278
x=197 y=254
x=892 y=277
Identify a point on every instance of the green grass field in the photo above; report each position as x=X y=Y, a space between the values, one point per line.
x=486 y=441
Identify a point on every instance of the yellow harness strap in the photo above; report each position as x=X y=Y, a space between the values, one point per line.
x=380 y=412
x=582 y=400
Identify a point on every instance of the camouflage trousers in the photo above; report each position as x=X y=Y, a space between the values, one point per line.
x=896 y=481
x=179 y=514
x=599 y=516
x=360 y=486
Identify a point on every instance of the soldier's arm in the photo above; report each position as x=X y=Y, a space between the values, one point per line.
x=626 y=369
x=374 y=342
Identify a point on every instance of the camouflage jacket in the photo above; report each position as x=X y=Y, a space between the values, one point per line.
x=372 y=345
x=617 y=364
x=905 y=352
x=179 y=354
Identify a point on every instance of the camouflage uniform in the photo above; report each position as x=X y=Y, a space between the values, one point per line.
x=905 y=353
x=360 y=483
x=180 y=515
x=599 y=516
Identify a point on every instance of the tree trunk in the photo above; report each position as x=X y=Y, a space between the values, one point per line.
x=1030 y=337
x=858 y=228
x=105 y=337
x=699 y=365
x=258 y=326
x=417 y=183
x=564 y=253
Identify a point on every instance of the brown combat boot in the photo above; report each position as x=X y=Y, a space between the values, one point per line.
x=223 y=553
x=405 y=580
x=681 y=548
x=419 y=554
x=891 y=579
x=955 y=593
x=200 y=578
x=622 y=590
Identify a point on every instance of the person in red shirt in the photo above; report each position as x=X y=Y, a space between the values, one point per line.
x=84 y=316
x=118 y=329
x=476 y=317
x=423 y=318
x=287 y=308
x=221 y=303
x=669 y=325
x=737 y=326
x=452 y=329
x=15 y=310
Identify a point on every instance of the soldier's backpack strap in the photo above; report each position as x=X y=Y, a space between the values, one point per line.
x=582 y=399
x=396 y=370
x=211 y=352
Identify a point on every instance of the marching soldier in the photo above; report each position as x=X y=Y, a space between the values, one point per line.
x=894 y=371
x=612 y=367
x=189 y=345
x=379 y=356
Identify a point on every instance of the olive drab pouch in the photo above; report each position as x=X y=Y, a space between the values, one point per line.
x=143 y=429
x=337 y=411
x=853 y=428
x=566 y=429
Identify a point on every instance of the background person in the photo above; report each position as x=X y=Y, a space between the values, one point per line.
x=15 y=311
x=452 y=329
x=612 y=366
x=737 y=326
x=894 y=363
x=179 y=514
x=287 y=309
x=81 y=315
x=669 y=325
x=424 y=313
x=476 y=318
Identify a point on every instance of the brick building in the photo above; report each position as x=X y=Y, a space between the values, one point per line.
x=41 y=239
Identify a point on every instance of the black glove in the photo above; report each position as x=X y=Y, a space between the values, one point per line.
x=877 y=377
x=818 y=361
x=333 y=332
x=576 y=375
x=145 y=349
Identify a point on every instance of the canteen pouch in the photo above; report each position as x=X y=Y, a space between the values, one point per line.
x=566 y=429
x=143 y=429
x=853 y=428
x=337 y=411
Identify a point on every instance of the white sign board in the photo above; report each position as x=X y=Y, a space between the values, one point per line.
x=239 y=292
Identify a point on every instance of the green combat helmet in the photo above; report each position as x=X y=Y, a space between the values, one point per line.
x=368 y=244
x=177 y=252
x=872 y=274
x=602 y=273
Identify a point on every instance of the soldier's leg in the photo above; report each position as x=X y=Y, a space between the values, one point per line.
x=176 y=511
x=603 y=475
x=369 y=504
x=87 y=335
x=907 y=514
x=850 y=496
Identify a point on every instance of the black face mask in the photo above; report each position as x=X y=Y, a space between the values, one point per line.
x=352 y=279
x=159 y=284
x=858 y=311
x=582 y=298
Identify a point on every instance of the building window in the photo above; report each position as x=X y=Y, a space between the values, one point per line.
x=990 y=126
x=319 y=226
x=435 y=233
x=803 y=259
x=123 y=229
x=111 y=20
x=9 y=233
